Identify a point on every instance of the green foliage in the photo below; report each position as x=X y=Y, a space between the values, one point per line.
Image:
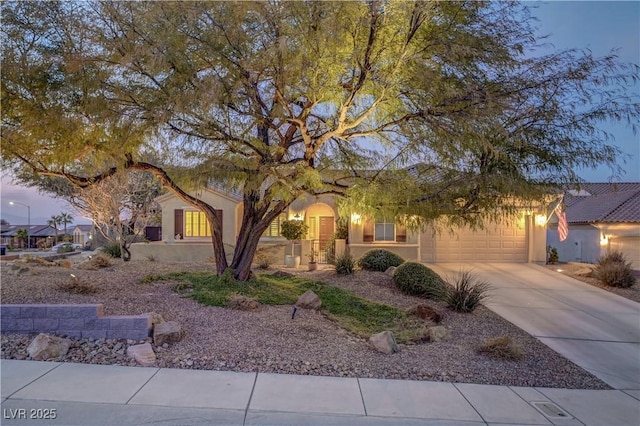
x=466 y=292
x=254 y=106
x=416 y=279
x=379 y=260
x=354 y=313
x=552 y=255
x=293 y=230
x=345 y=264
x=614 y=270
x=112 y=249
x=65 y=249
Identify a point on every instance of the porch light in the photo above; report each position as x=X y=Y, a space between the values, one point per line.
x=604 y=240
x=356 y=218
x=541 y=219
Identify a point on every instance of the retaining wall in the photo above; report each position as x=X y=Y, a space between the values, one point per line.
x=76 y=321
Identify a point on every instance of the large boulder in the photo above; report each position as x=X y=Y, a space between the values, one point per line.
x=384 y=342
x=309 y=300
x=143 y=354
x=45 y=347
x=167 y=332
x=426 y=312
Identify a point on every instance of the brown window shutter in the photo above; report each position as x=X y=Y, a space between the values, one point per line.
x=401 y=233
x=219 y=215
x=178 y=223
x=367 y=231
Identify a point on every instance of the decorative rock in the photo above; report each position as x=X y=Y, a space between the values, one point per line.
x=167 y=332
x=390 y=270
x=45 y=347
x=154 y=318
x=143 y=354
x=437 y=334
x=426 y=313
x=384 y=342
x=19 y=270
x=309 y=300
x=243 y=303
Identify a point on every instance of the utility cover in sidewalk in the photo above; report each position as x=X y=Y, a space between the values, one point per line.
x=550 y=409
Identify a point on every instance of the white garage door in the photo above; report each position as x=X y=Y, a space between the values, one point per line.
x=494 y=244
x=630 y=247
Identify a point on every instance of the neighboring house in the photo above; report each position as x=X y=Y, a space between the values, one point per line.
x=41 y=236
x=186 y=234
x=84 y=235
x=601 y=217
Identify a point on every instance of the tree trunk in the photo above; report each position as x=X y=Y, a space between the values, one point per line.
x=256 y=219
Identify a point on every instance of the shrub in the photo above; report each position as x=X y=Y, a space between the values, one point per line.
x=112 y=249
x=466 y=292
x=345 y=264
x=100 y=261
x=501 y=348
x=417 y=280
x=379 y=260
x=76 y=285
x=613 y=270
x=552 y=255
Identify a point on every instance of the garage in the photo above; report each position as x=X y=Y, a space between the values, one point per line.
x=630 y=247
x=501 y=243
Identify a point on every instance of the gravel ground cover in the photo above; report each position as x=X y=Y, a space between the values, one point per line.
x=268 y=340
x=579 y=272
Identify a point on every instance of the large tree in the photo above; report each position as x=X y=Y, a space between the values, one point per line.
x=278 y=99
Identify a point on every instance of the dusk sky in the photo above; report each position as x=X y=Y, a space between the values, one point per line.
x=596 y=25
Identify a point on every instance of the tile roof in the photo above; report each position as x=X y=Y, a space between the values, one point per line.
x=605 y=202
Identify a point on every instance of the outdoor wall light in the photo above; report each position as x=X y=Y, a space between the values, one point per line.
x=541 y=219
x=604 y=240
x=356 y=218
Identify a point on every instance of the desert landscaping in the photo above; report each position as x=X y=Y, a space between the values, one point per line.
x=267 y=339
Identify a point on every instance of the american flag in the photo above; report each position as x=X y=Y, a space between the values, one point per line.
x=563 y=228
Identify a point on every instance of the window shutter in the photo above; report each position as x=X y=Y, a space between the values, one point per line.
x=178 y=223
x=401 y=233
x=367 y=231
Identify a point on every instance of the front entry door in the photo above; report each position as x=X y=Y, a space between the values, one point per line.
x=325 y=231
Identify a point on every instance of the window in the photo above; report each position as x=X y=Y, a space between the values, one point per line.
x=384 y=230
x=274 y=229
x=196 y=224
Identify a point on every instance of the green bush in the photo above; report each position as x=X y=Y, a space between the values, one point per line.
x=416 y=279
x=466 y=292
x=613 y=270
x=552 y=255
x=112 y=249
x=345 y=264
x=379 y=260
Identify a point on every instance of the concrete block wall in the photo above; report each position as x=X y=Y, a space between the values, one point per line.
x=76 y=321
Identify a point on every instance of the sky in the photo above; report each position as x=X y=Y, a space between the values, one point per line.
x=596 y=25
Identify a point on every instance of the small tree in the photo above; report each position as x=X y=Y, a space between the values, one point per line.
x=65 y=219
x=293 y=230
x=22 y=235
x=54 y=222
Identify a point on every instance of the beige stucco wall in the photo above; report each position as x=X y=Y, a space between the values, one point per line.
x=406 y=251
x=230 y=216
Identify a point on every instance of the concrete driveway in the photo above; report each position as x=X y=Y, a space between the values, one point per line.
x=595 y=329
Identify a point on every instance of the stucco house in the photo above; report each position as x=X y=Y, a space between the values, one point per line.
x=600 y=217
x=186 y=235
x=84 y=235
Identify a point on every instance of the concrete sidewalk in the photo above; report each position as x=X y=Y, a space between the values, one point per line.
x=82 y=394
